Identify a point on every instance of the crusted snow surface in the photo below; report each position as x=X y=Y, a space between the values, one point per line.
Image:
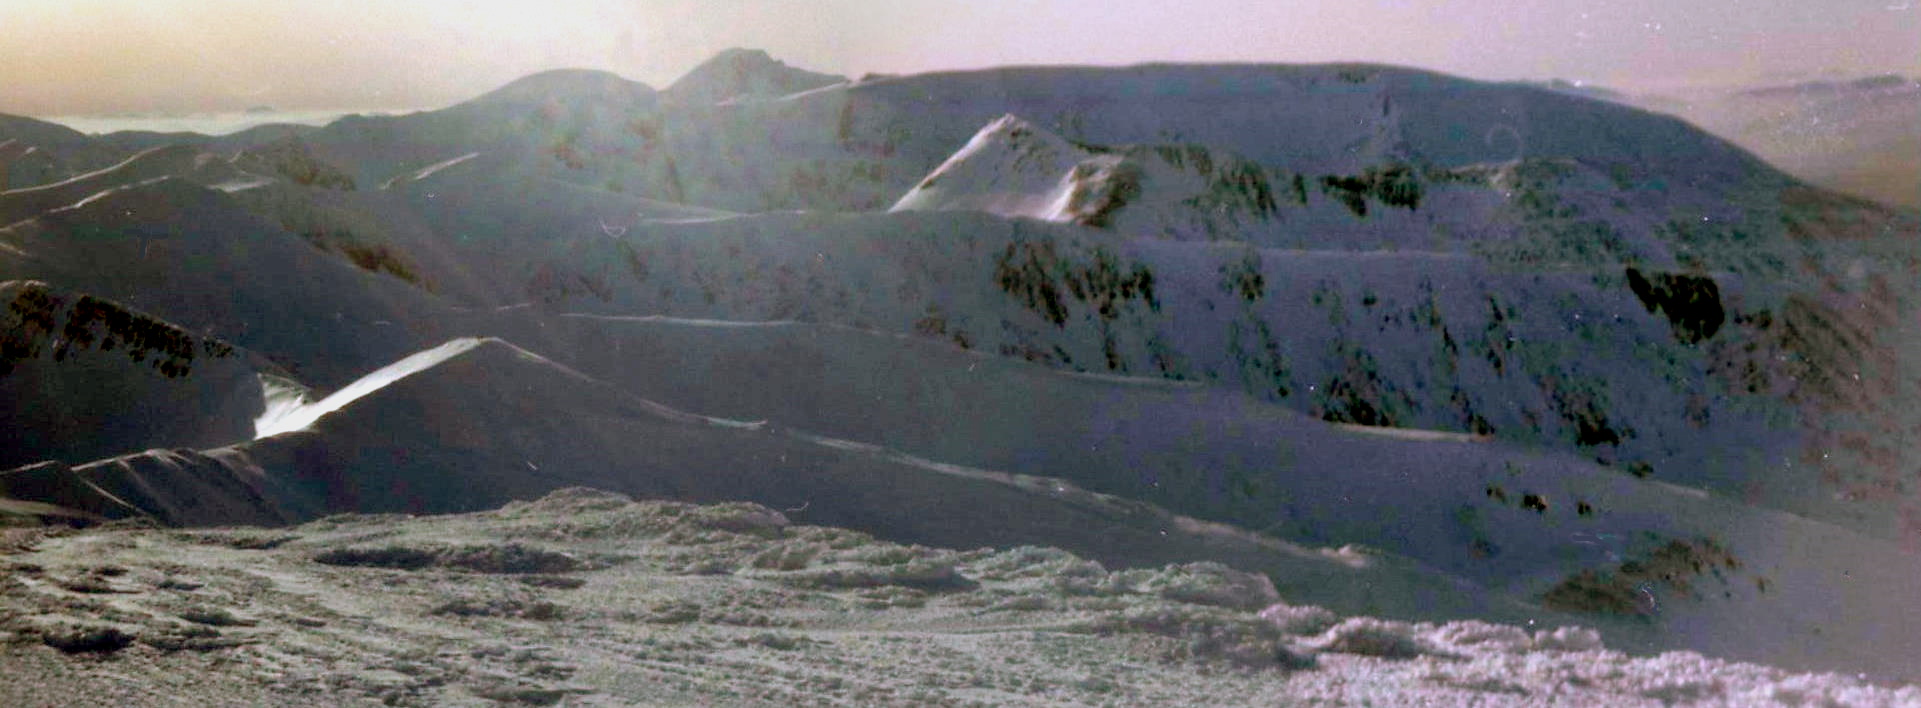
x=591 y=598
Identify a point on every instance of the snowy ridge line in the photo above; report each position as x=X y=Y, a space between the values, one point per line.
x=438 y=166
x=285 y=417
x=104 y=494
x=1136 y=381
x=696 y=219
x=288 y=408
x=102 y=172
x=1413 y=434
x=427 y=171
x=1062 y=489
x=102 y=194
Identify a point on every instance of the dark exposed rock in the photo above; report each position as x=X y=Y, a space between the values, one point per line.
x=1692 y=303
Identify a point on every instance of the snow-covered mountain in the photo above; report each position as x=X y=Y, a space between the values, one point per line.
x=1407 y=344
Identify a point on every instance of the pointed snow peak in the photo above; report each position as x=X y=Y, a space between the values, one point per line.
x=745 y=73
x=1015 y=135
x=1015 y=168
x=569 y=85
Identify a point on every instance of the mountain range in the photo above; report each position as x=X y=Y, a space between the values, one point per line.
x=1402 y=344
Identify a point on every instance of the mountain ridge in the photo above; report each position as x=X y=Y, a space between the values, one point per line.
x=1401 y=342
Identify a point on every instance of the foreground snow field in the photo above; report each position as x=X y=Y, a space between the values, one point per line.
x=590 y=598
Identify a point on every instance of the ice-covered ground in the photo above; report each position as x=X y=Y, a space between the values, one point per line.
x=589 y=598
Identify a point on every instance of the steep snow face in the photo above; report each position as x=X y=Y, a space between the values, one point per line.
x=739 y=74
x=283 y=415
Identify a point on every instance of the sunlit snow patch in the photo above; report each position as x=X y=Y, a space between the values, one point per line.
x=103 y=194
x=287 y=413
x=241 y=183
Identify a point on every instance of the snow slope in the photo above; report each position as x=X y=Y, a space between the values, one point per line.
x=494 y=412
x=1549 y=536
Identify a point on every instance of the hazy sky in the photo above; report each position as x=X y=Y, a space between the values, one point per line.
x=80 y=56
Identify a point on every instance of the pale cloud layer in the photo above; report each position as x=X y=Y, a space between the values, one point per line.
x=75 y=56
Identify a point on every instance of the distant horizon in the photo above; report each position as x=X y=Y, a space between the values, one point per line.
x=59 y=57
x=210 y=123
x=232 y=120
